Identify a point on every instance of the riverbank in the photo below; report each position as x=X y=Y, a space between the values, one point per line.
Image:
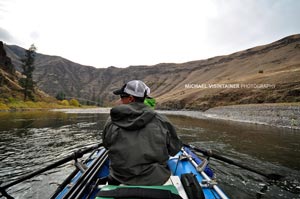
x=84 y=110
x=279 y=115
x=284 y=115
x=19 y=105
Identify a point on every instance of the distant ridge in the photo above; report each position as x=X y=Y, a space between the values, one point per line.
x=276 y=64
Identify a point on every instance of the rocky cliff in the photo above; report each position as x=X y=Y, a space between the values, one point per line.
x=263 y=74
x=8 y=78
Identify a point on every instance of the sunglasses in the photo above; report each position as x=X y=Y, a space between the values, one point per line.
x=124 y=96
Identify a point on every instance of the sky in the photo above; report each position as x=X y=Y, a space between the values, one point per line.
x=121 y=33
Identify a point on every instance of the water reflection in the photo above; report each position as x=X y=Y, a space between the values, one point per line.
x=267 y=149
x=31 y=139
x=277 y=145
x=23 y=120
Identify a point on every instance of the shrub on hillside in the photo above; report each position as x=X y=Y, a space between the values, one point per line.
x=12 y=100
x=65 y=103
x=74 y=102
x=3 y=106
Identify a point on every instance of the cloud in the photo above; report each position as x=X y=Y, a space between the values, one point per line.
x=135 y=32
x=238 y=25
x=34 y=35
x=284 y=17
x=6 y=36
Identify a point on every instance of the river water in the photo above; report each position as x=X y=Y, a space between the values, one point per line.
x=31 y=140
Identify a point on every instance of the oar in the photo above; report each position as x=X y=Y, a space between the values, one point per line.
x=77 y=154
x=271 y=176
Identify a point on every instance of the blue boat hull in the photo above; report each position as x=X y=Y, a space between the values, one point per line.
x=179 y=167
x=85 y=183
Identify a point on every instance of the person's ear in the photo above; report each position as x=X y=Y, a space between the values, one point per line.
x=131 y=98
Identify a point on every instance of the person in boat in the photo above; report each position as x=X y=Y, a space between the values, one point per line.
x=138 y=139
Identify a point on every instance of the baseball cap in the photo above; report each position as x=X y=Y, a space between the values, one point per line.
x=135 y=88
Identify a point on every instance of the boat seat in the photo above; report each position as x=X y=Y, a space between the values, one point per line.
x=125 y=191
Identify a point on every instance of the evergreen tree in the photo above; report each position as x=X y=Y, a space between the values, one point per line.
x=60 y=96
x=28 y=68
x=99 y=102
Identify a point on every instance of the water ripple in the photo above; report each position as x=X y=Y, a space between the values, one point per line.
x=32 y=142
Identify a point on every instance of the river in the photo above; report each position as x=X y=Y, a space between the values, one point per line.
x=31 y=140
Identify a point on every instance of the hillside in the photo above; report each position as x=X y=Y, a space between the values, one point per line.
x=8 y=82
x=10 y=89
x=263 y=74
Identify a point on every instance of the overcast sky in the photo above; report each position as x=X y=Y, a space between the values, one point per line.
x=120 y=33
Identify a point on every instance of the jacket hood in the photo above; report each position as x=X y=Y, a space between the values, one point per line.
x=131 y=116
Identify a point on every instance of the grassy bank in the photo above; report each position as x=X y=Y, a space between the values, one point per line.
x=15 y=105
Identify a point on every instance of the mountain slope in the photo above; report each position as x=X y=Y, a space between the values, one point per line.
x=268 y=73
x=9 y=80
x=277 y=64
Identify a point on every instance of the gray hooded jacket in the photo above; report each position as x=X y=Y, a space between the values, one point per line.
x=139 y=141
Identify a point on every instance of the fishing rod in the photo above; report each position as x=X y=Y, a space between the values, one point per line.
x=272 y=176
x=74 y=156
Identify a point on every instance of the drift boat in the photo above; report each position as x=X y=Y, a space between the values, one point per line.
x=191 y=178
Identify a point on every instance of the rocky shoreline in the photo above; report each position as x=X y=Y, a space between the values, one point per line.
x=279 y=115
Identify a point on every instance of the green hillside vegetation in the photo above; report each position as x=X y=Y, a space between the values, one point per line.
x=16 y=104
